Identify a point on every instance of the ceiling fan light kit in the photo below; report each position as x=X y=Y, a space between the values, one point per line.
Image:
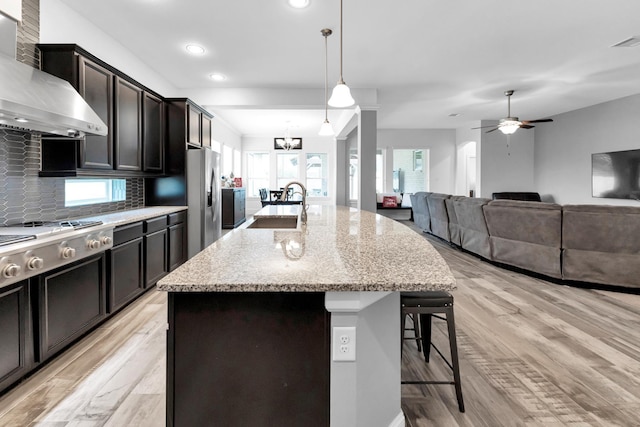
x=341 y=95
x=509 y=125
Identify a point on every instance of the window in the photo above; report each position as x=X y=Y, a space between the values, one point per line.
x=409 y=170
x=287 y=169
x=78 y=192
x=317 y=175
x=257 y=175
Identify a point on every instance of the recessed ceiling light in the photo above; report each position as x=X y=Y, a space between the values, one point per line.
x=299 y=4
x=21 y=120
x=217 y=77
x=195 y=49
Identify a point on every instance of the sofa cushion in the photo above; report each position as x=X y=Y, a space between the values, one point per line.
x=474 y=236
x=420 y=208
x=601 y=244
x=526 y=234
x=454 y=226
x=439 y=216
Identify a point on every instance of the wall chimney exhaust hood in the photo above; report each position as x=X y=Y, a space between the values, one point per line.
x=33 y=100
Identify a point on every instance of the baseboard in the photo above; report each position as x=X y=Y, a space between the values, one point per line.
x=398 y=421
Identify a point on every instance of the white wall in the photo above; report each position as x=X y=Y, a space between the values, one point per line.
x=467 y=137
x=441 y=144
x=564 y=148
x=506 y=161
x=60 y=24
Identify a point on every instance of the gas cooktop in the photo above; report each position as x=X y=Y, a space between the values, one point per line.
x=36 y=229
x=35 y=247
x=75 y=224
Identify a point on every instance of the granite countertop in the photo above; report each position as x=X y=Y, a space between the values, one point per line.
x=340 y=249
x=125 y=217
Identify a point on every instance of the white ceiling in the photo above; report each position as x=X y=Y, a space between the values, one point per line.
x=425 y=58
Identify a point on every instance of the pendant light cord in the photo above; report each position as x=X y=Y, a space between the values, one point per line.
x=326 y=78
x=341 y=81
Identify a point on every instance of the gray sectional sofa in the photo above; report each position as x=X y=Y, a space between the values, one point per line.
x=573 y=243
x=526 y=235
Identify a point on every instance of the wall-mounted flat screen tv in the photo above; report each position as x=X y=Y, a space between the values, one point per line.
x=616 y=175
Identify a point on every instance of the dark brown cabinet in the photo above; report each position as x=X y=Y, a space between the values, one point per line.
x=16 y=348
x=133 y=113
x=126 y=266
x=128 y=128
x=70 y=301
x=206 y=131
x=156 y=247
x=95 y=84
x=177 y=239
x=153 y=134
x=230 y=358
x=233 y=207
x=189 y=124
x=194 y=126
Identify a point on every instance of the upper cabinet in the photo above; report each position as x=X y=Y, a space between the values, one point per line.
x=134 y=114
x=128 y=129
x=188 y=126
x=95 y=84
x=206 y=131
x=152 y=131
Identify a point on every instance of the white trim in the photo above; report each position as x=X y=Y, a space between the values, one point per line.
x=349 y=302
x=398 y=421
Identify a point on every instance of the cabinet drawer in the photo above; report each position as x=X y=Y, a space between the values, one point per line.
x=155 y=224
x=177 y=218
x=127 y=232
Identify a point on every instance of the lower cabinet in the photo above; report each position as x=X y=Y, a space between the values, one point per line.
x=233 y=207
x=69 y=301
x=16 y=341
x=126 y=265
x=41 y=316
x=156 y=246
x=177 y=240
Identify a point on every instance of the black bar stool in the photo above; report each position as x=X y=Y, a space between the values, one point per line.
x=423 y=306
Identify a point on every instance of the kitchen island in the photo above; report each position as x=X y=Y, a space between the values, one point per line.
x=251 y=318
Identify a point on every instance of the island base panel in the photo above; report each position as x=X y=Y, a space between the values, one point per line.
x=245 y=359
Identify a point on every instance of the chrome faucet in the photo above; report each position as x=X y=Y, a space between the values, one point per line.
x=283 y=197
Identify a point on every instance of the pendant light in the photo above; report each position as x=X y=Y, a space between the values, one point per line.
x=341 y=96
x=326 y=129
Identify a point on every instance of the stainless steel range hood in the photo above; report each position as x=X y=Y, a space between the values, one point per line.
x=33 y=100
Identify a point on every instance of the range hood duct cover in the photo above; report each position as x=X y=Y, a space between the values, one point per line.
x=33 y=100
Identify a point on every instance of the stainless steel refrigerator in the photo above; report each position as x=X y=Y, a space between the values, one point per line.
x=203 y=199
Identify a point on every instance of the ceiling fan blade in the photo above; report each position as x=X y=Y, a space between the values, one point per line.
x=483 y=127
x=537 y=121
x=523 y=126
x=492 y=129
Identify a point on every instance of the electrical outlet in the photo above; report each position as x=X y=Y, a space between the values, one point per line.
x=344 y=344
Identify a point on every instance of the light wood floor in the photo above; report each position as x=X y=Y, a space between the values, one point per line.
x=532 y=353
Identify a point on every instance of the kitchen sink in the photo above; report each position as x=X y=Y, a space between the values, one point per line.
x=274 y=222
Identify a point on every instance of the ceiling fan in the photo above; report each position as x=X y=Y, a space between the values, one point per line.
x=509 y=124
